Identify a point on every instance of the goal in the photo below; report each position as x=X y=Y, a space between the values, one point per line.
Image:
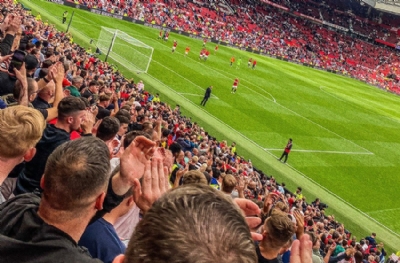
x=125 y=49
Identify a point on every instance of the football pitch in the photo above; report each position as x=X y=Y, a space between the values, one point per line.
x=346 y=140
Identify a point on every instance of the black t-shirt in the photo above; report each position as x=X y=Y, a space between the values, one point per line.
x=39 y=103
x=7 y=83
x=261 y=259
x=102 y=113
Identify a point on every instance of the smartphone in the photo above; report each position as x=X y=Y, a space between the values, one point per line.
x=16 y=61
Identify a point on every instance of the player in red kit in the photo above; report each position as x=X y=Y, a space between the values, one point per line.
x=286 y=151
x=160 y=34
x=202 y=53
x=235 y=85
x=187 y=49
x=174 y=46
x=206 y=54
x=254 y=64
x=216 y=49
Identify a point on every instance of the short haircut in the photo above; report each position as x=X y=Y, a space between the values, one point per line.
x=93 y=83
x=194 y=177
x=175 y=148
x=86 y=101
x=280 y=229
x=69 y=106
x=75 y=172
x=76 y=79
x=20 y=129
x=228 y=183
x=130 y=136
x=18 y=88
x=195 y=224
x=124 y=113
x=122 y=119
x=108 y=128
x=104 y=97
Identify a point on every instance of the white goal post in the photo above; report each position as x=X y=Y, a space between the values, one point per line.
x=125 y=49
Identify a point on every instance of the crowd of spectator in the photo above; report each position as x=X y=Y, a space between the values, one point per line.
x=284 y=31
x=88 y=157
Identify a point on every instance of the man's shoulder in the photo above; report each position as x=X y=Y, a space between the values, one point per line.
x=21 y=229
x=7 y=83
x=38 y=103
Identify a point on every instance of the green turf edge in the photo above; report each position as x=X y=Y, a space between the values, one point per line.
x=358 y=222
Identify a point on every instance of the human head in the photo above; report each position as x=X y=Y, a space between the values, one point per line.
x=94 y=87
x=220 y=233
x=32 y=89
x=77 y=81
x=175 y=148
x=20 y=130
x=194 y=177
x=71 y=112
x=108 y=128
x=228 y=183
x=278 y=229
x=104 y=100
x=47 y=92
x=76 y=176
x=124 y=122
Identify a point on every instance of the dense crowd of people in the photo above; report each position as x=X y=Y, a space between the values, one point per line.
x=294 y=31
x=88 y=159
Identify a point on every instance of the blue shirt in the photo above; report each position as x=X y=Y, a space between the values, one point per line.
x=102 y=241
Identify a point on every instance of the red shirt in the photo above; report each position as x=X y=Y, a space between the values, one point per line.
x=73 y=135
x=236 y=82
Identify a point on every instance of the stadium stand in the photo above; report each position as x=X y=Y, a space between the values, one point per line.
x=339 y=36
x=134 y=125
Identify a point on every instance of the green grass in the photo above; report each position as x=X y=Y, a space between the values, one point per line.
x=345 y=133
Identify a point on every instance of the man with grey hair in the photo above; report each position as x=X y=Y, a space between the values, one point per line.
x=76 y=84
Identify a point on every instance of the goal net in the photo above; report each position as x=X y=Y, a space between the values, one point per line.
x=125 y=49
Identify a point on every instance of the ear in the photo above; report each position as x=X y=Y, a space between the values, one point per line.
x=119 y=259
x=42 y=182
x=70 y=119
x=100 y=201
x=29 y=154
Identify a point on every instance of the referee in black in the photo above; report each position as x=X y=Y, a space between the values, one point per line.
x=206 y=96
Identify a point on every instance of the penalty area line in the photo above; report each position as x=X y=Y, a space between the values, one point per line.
x=320 y=151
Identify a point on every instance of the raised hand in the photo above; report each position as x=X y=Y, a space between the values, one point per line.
x=250 y=210
x=154 y=184
x=301 y=251
x=134 y=159
x=300 y=223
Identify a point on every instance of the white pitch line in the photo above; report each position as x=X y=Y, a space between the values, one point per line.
x=224 y=75
x=383 y=210
x=321 y=151
x=357 y=106
x=274 y=100
x=188 y=80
